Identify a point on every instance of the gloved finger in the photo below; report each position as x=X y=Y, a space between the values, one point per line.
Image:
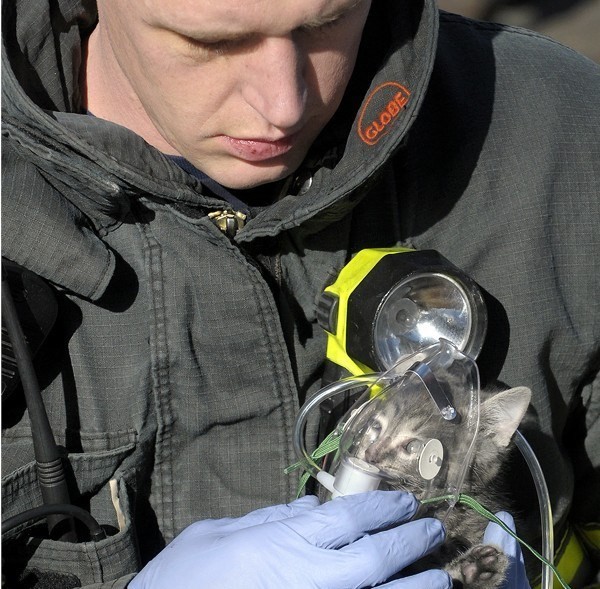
x=275 y=512
x=516 y=576
x=271 y=513
x=494 y=534
x=343 y=520
x=375 y=558
x=433 y=579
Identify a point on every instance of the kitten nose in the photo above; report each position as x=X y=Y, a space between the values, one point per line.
x=376 y=451
x=371 y=453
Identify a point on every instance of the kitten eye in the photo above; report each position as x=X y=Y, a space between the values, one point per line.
x=374 y=431
x=414 y=447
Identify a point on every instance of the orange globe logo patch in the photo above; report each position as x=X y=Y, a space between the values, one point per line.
x=374 y=123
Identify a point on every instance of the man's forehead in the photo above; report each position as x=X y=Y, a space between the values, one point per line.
x=239 y=17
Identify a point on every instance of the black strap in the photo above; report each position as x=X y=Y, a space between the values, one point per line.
x=37 y=310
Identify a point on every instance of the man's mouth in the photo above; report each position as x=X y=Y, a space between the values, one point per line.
x=258 y=149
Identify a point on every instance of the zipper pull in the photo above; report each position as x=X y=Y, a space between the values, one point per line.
x=228 y=221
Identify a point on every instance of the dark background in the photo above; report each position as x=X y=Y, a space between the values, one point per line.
x=575 y=23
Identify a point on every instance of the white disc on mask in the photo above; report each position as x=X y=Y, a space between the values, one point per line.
x=431 y=459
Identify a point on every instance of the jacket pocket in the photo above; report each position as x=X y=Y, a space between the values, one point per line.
x=105 y=489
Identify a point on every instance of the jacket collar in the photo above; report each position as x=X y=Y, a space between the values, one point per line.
x=334 y=177
x=381 y=103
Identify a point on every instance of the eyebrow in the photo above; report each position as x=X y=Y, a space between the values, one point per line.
x=218 y=36
x=327 y=19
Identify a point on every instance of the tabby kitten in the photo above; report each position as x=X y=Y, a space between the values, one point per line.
x=403 y=428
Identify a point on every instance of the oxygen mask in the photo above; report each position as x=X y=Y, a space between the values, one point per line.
x=413 y=427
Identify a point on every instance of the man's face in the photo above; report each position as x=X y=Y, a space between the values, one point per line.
x=240 y=88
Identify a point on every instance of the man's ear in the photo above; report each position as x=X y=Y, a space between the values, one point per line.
x=500 y=415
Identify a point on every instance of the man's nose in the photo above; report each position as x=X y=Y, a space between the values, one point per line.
x=274 y=82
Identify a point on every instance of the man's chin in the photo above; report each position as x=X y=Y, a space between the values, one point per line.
x=243 y=175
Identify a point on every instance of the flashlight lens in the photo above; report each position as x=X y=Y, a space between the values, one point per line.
x=420 y=311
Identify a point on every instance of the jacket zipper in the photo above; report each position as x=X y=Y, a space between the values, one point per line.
x=228 y=221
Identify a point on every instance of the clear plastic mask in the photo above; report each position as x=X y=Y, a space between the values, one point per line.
x=415 y=428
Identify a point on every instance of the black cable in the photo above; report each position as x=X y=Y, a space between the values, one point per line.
x=96 y=532
x=51 y=475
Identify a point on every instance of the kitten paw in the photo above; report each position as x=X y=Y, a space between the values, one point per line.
x=481 y=567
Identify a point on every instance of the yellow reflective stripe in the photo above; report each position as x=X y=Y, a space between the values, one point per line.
x=590 y=534
x=351 y=275
x=569 y=556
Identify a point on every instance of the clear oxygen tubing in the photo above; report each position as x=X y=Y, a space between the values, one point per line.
x=325 y=393
x=547 y=529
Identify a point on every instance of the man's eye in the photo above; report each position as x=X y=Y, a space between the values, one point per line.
x=330 y=24
x=212 y=48
x=322 y=27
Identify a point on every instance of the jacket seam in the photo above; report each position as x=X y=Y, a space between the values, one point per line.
x=160 y=374
x=286 y=386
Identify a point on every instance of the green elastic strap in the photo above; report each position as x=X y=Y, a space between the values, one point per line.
x=330 y=444
x=466 y=500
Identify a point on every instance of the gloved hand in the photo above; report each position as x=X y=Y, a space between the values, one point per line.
x=302 y=545
x=494 y=534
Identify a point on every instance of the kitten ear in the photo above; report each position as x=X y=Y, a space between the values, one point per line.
x=500 y=415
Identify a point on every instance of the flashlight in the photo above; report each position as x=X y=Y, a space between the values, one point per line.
x=389 y=303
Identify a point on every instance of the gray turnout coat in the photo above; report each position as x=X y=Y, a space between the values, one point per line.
x=182 y=353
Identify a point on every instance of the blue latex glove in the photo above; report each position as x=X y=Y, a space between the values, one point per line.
x=494 y=534
x=302 y=545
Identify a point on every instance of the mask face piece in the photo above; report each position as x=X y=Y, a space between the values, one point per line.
x=415 y=428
